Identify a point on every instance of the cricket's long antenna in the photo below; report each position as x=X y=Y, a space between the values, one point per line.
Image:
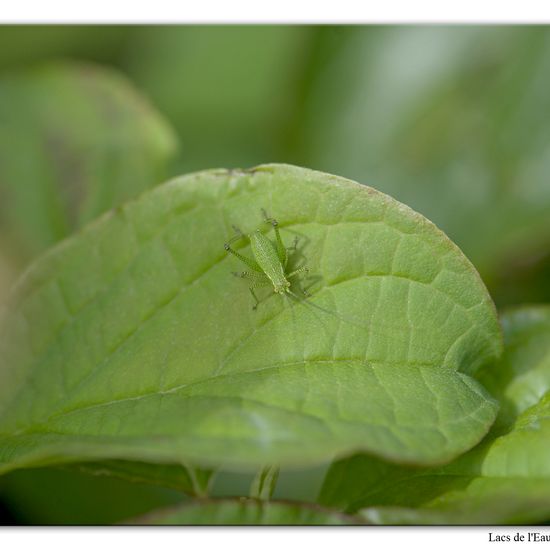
x=324 y=310
x=353 y=322
x=300 y=300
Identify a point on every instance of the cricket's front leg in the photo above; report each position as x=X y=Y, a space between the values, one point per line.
x=299 y=271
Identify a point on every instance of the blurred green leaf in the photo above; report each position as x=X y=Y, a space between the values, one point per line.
x=246 y=512
x=7 y=275
x=62 y=497
x=75 y=140
x=132 y=340
x=506 y=479
x=229 y=90
x=485 y=501
x=26 y=44
x=450 y=121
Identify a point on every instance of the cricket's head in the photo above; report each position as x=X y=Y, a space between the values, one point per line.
x=282 y=288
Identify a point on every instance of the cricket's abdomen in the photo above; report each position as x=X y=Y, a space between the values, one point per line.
x=265 y=254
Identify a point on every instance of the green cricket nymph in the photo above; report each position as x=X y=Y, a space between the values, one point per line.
x=269 y=265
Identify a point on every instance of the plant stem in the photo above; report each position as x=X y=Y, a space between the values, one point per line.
x=264 y=483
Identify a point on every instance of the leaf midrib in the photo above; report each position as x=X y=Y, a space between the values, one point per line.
x=33 y=430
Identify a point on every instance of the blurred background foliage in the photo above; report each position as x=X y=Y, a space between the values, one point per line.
x=453 y=121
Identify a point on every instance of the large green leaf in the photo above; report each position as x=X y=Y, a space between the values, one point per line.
x=246 y=512
x=75 y=140
x=132 y=340
x=504 y=480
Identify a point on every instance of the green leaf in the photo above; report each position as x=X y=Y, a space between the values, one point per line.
x=506 y=479
x=246 y=512
x=75 y=141
x=132 y=340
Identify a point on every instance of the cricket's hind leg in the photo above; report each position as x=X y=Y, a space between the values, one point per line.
x=251 y=263
x=281 y=250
